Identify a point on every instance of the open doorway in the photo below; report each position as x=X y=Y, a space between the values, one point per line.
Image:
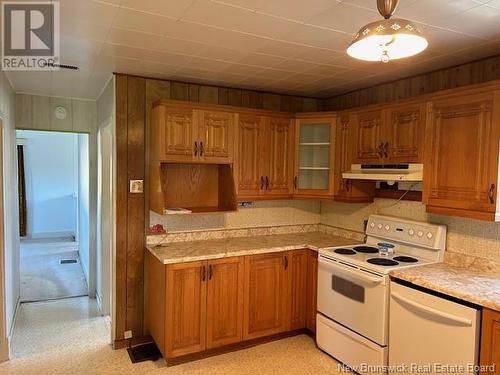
x=53 y=184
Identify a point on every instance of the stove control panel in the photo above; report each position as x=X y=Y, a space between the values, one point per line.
x=411 y=232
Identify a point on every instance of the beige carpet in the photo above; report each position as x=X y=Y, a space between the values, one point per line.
x=69 y=337
x=43 y=277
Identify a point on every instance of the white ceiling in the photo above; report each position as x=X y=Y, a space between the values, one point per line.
x=287 y=46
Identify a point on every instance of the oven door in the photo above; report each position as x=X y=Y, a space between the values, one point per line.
x=355 y=298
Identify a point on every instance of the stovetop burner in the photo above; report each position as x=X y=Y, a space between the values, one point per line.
x=405 y=259
x=344 y=251
x=382 y=262
x=366 y=249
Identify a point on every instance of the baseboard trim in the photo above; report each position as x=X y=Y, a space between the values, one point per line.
x=11 y=328
x=49 y=235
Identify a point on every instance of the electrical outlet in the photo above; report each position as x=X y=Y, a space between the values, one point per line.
x=136 y=186
x=127 y=334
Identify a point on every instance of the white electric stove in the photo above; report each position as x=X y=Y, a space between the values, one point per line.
x=353 y=287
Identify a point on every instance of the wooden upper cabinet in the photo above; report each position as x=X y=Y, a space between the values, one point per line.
x=266 y=295
x=214 y=139
x=249 y=159
x=176 y=130
x=297 y=267
x=404 y=133
x=225 y=301
x=279 y=176
x=490 y=342
x=462 y=156
x=185 y=326
x=314 y=155
x=368 y=125
x=348 y=190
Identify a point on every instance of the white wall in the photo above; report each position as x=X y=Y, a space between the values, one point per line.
x=83 y=202
x=51 y=172
x=11 y=209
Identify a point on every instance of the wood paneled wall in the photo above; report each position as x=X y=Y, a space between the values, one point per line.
x=479 y=71
x=134 y=100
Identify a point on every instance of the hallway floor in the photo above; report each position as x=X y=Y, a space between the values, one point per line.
x=43 y=277
x=70 y=337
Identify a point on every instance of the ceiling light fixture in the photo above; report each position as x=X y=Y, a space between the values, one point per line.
x=387 y=39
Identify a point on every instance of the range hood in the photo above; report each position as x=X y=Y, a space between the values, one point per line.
x=385 y=172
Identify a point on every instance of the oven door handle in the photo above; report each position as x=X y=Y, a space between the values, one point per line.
x=456 y=319
x=352 y=274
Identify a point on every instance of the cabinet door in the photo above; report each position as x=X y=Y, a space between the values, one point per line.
x=249 y=156
x=280 y=156
x=297 y=267
x=185 y=308
x=215 y=135
x=348 y=190
x=266 y=295
x=312 y=288
x=368 y=137
x=314 y=157
x=225 y=301
x=176 y=132
x=462 y=156
x=403 y=133
x=490 y=342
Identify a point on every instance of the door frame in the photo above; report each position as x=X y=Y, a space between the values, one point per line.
x=4 y=339
x=106 y=307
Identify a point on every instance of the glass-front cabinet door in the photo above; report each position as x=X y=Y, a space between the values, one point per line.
x=314 y=146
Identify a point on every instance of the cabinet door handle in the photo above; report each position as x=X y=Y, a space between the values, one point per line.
x=195 y=148
x=267 y=183
x=380 y=150
x=491 y=193
x=203 y=273
x=201 y=148
x=386 y=149
x=347 y=183
x=261 y=182
x=210 y=272
x=285 y=260
x=295 y=180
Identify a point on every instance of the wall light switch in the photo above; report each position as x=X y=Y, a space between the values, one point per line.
x=136 y=186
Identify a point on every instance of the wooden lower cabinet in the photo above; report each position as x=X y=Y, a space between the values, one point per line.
x=490 y=341
x=225 y=301
x=185 y=317
x=266 y=295
x=195 y=307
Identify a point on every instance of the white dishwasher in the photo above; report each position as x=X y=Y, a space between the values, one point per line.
x=434 y=333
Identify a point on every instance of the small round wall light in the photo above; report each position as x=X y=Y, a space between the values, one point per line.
x=60 y=112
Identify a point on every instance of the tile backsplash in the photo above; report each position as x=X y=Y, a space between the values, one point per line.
x=262 y=214
x=465 y=236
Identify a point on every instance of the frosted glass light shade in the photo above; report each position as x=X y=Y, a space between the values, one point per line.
x=387 y=39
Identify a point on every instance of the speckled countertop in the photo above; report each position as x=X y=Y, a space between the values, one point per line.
x=468 y=284
x=179 y=252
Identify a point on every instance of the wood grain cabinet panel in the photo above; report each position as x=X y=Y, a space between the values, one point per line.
x=312 y=289
x=404 y=131
x=176 y=130
x=215 y=135
x=225 y=301
x=368 y=136
x=185 y=328
x=297 y=267
x=248 y=166
x=266 y=295
x=490 y=341
x=280 y=156
x=462 y=156
x=357 y=191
